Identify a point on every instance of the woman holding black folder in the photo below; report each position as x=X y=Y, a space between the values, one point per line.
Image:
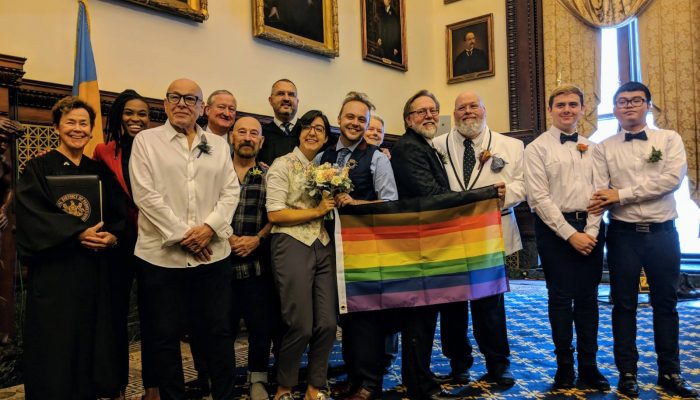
x=128 y=116
x=68 y=339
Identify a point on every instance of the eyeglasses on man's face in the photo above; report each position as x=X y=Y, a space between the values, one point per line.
x=623 y=102
x=320 y=129
x=189 y=99
x=423 y=112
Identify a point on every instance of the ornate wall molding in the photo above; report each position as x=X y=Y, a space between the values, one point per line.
x=526 y=96
x=11 y=70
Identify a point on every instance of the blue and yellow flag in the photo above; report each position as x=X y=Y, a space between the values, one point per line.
x=85 y=78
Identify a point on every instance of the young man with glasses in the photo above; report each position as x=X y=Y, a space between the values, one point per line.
x=186 y=190
x=637 y=172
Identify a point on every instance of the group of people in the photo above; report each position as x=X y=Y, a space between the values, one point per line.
x=215 y=224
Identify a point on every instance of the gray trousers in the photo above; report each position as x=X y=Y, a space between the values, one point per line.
x=305 y=278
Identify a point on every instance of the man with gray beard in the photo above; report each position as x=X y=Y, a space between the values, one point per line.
x=419 y=172
x=477 y=157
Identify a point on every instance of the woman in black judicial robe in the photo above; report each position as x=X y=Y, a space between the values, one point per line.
x=68 y=343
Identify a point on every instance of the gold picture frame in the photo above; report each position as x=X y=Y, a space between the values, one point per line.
x=196 y=10
x=470 y=49
x=384 y=33
x=313 y=28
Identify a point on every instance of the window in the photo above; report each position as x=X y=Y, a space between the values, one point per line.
x=620 y=63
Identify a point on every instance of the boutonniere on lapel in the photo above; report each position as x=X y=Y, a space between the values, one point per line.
x=442 y=155
x=497 y=163
x=655 y=156
x=256 y=171
x=484 y=156
x=203 y=147
x=582 y=148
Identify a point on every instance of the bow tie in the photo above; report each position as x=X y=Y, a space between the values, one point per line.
x=629 y=136
x=568 y=138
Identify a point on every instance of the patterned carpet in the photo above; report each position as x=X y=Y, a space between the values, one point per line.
x=533 y=362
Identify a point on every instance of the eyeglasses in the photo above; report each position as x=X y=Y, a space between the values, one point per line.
x=174 y=98
x=320 y=129
x=434 y=112
x=634 y=102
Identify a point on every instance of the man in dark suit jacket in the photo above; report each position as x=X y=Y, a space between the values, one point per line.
x=419 y=171
x=471 y=59
x=282 y=133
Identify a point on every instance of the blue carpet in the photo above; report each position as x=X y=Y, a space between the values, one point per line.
x=533 y=360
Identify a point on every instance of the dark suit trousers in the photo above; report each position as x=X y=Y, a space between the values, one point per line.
x=572 y=287
x=202 y=294
x=364 y=347
x=490 y=332
x=417 y=325
x=255 y=299
x=659 y=254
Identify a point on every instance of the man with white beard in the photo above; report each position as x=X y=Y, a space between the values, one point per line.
x=477 y=157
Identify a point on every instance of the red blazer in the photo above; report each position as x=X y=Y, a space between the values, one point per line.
x=104 y=153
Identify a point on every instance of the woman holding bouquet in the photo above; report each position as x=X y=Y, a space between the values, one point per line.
x=302 y=262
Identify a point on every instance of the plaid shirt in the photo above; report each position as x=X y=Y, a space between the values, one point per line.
x=249 y=219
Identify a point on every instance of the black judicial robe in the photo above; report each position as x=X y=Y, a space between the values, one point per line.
x=69 y=348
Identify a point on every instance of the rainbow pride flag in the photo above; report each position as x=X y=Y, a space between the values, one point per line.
x=85 y=74
x=418 y=252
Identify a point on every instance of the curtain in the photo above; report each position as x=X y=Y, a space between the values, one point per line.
x=670 y=56
x=572 y=55
x=604 y=13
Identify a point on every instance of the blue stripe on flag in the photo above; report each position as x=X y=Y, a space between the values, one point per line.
x=85 y=70
x=495 y=274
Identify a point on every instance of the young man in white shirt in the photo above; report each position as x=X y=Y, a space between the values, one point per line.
x=559 y=182
x=186 y=190
x=637 y=172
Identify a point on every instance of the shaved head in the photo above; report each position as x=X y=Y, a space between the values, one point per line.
x=183 y=117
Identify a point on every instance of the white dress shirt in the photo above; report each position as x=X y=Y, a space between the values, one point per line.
x=504 y=147
x=280 y=124
x=177 y=188
x=559 y=179
x=645 y=188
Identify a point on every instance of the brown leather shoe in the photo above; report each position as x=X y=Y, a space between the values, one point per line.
x=361 y=394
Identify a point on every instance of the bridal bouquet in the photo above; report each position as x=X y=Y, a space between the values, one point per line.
x=328 y=180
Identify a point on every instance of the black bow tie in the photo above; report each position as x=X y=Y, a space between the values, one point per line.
x=631 y=136
x=568 y=138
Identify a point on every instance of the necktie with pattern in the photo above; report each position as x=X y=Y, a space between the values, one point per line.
x=286 y=126
x=342 y=154
x=469 y=161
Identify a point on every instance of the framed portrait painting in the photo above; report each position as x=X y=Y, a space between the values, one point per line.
x=195 y=10
x=310 y=25
x=470 y=49
x=384 y=33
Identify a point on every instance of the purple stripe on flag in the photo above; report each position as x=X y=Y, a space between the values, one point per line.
x=426 y=297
